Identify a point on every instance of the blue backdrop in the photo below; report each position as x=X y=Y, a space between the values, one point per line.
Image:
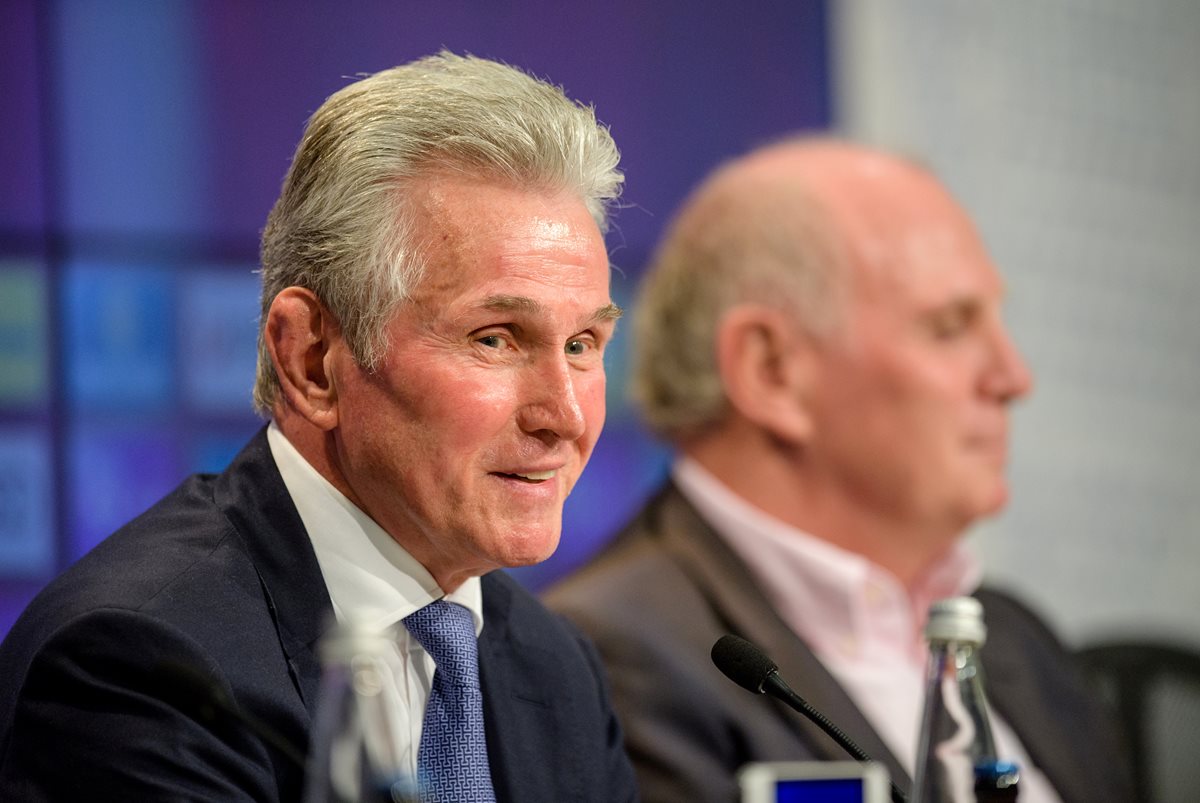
x=144 y=142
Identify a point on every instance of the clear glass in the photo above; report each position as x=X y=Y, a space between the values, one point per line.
x=956 y=734
x=353 y=756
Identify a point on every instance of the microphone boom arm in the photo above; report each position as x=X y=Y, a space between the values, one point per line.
x=750 y=668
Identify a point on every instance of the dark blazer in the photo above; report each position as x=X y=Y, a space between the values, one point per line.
x=220 y=576
x=668 y=587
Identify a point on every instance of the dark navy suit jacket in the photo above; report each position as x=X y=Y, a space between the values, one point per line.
x=668 y=587
x=220 y=576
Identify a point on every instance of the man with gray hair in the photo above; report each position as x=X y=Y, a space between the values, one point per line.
x=820 y=337
x=435 y=310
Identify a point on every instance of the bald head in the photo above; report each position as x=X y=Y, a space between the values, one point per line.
x=779 y=226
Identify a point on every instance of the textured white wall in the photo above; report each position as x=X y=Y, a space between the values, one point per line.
x=1071 y=130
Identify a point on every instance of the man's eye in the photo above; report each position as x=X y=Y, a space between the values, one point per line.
x=947 y=328
x=576 y=347
x=953 y=322
x=491 y=341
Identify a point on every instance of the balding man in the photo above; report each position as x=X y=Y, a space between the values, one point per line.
x=820 y=336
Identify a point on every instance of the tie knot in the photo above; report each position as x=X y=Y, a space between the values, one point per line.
x=447 y=632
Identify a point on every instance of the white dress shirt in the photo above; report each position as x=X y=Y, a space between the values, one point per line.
x=856 y=617
x=371 y=577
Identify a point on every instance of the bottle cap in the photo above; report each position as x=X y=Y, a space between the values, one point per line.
x=996 y=775
x=956 y=619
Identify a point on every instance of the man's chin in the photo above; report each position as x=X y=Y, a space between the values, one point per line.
x=530 y=550
x=994 y=501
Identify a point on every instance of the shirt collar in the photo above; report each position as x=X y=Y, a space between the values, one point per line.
x=367 y=572
x=831 y=597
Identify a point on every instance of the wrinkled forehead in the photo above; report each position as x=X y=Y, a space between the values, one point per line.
x=486 y=245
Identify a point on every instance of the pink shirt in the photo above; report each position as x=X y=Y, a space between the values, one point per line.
x=856 y=617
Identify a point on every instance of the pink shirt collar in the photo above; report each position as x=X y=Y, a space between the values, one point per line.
x=837 y=601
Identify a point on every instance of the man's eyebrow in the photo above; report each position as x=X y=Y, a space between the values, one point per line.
x=524 y=304
x=506 y=303
x=609 y=312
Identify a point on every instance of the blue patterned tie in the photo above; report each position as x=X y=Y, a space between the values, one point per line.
x=452 y=763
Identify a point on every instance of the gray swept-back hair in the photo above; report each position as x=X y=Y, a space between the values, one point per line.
x=744 y=236
x=340 y=227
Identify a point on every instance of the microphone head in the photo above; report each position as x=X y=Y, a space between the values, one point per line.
x=742 y=662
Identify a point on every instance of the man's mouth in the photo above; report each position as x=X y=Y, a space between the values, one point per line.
x=529 y=476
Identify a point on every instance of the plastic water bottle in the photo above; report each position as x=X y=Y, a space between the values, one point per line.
x=956 y=754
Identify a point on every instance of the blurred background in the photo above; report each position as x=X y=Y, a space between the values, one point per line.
x=144 y=141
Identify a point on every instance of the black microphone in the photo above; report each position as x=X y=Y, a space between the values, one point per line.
x=210 y=704
x=750 y=668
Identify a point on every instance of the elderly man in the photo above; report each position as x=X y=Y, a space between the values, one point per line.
x=435 y=312
x=820 y=336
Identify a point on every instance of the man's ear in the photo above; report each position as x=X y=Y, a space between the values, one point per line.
x=767 y=366
x=301 y=335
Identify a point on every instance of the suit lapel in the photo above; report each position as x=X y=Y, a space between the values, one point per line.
x=1035 y=701
x=255 y=500
x=498 y=689
x=522 y=694
x=734 y=594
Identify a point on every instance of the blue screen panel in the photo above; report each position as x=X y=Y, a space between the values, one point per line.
x=27 y=534
x=130 y=125
x=24 y=348
x=211 y=452
x=22 y=185
x=119 y=337
x=218 y=332
x=831 y=790
x=115 y=474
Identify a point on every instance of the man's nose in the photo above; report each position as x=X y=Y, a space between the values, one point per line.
x=551 y=405
x=1009 y=377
